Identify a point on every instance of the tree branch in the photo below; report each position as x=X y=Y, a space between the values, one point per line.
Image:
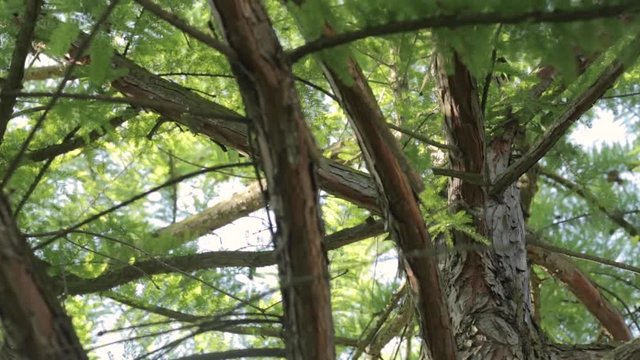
x=459 y=20
x=615 y=216
x=472 y=178
x=183 y=26
x=158 y=105
x=419 y=137
x=76 y=142
x=572 y=112
x=75 y=285
x=13 y=82
x=583 y=288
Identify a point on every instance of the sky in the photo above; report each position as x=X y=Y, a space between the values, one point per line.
x=250 y=233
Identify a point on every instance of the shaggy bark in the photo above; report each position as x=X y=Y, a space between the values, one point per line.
x=487 y=289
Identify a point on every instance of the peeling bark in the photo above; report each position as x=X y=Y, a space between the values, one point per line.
x=487 y=289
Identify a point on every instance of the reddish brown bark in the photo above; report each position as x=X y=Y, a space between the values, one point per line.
x=494 y=281
x=397 y=184
x=290 y=161
x=35 y=324
x=581 y=286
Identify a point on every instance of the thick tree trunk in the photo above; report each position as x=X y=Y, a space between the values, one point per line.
x=290 y=161
x=487 y=286
x=35 y=326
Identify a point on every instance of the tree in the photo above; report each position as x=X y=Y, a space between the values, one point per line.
x=443 y=127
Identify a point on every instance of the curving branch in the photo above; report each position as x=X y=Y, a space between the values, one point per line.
x=466 y=19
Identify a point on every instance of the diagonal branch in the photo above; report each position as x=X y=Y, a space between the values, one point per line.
x=76 y=142
x=216 y=122
x=397 y=183
x=459 y=20
x=13 y=81
x=616 y=216
x=183 y=26
x=75 y=285
x=582 y=287
x=572 y=112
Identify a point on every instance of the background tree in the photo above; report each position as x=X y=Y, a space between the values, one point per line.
x=445 y=128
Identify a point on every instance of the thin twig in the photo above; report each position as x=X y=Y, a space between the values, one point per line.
x=84 y=45
x=59 y=233
x=183 y=26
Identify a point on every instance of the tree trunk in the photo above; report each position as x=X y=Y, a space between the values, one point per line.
x=486 y=284
x=35 y=326
x=290 y=161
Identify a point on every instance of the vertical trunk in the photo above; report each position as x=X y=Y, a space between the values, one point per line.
x=487 y=286
x=290 y=161
x=35 y=326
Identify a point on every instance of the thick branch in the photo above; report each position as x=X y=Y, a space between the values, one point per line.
x=572 y=112
x=216 y=121
x=290 y=158
x=239 y=204
x=459 y=20
x=398 y=183
x=583 y=288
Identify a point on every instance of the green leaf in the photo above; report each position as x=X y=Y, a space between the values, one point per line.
x=62 y=37
x=100 y=66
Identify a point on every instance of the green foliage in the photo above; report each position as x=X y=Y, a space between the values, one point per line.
x=64 y=34
x=112 y=164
